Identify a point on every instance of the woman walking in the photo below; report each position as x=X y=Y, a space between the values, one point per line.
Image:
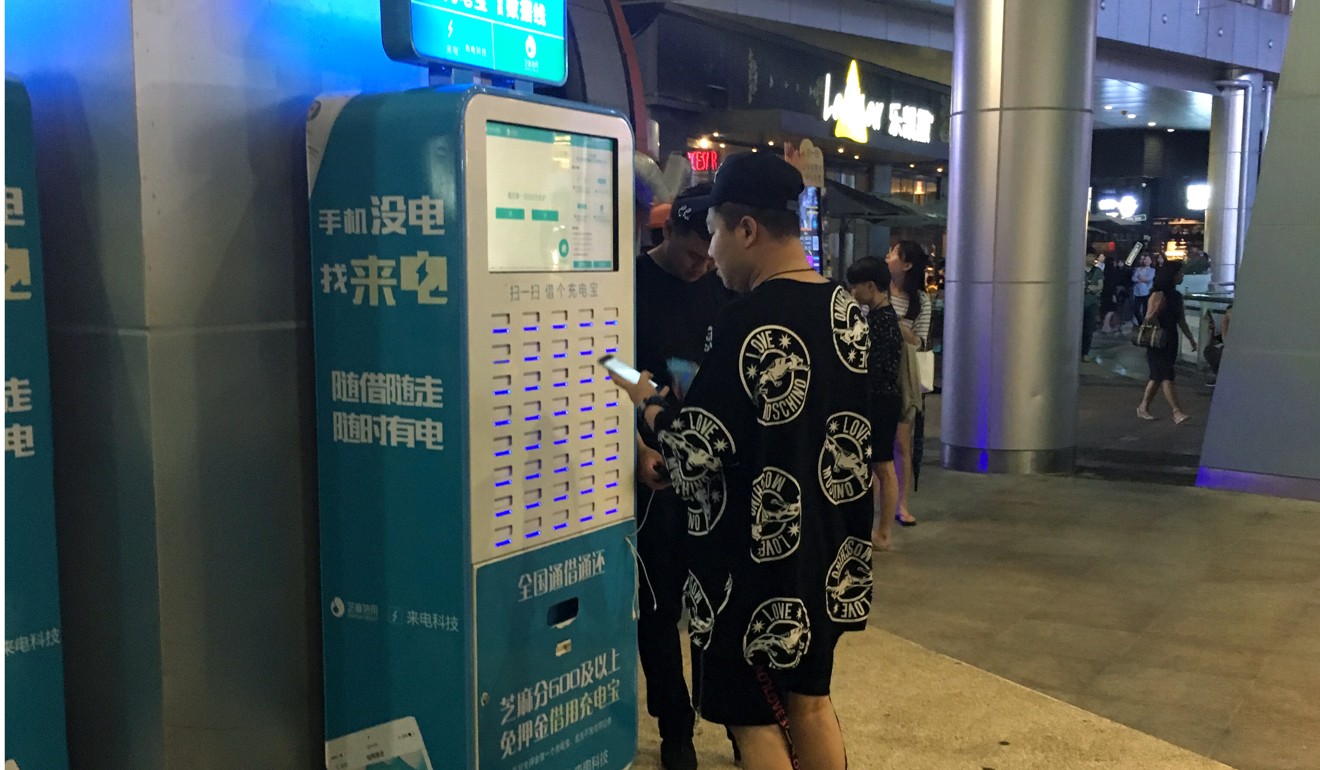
x=907 y=294
x=1166 y=309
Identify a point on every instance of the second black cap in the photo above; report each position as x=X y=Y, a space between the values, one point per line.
x=759 y=180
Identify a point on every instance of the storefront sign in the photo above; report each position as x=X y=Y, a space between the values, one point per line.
x=855 y=116
x=1198 y=197
x=707 y=161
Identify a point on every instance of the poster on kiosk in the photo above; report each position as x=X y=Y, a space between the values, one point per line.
x=471 y=258
x=34 y=652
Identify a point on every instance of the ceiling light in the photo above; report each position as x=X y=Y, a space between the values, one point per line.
x=1170 y=130
x=1109 y=106
x=912 y=165
x=939 y=170
x=1151 y=124
x=771 y=143
x=703 y=143
x=1131 y=115
x=753 y=149
x=857 y=157
x=840 y=150
x=723 y=145
x=715 y=134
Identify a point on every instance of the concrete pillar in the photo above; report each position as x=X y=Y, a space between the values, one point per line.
x=1019 y=169
x=1236 y=125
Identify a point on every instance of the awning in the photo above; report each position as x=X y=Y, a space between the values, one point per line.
x=848 y=203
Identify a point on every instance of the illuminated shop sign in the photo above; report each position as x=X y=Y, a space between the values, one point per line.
x=704 y=160
x=855 y=116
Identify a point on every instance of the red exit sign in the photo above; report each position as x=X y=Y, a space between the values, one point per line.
x=704 y=160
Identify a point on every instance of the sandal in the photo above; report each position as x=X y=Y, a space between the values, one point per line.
x=1145 y=415
x=1180 y=418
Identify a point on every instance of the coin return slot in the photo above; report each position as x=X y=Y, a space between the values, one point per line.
x=532 y=469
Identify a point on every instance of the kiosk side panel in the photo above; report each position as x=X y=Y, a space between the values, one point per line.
x=389 y=319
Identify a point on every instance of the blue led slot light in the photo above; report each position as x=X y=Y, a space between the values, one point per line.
x=586 y=491
x=561 y=355
x=561 y=441
x=500 y=331
x=559 y=326
x=503 y=453
x=585 y=325
x=501 y=514
x=612 y=323
x=611 y=350
x=534 y=477
x=611 y=404
x=588 y=436
x=586 y=519
x=504 y=483
x=585 y=381
x=611 y=458
x=530 y=359
x=561 y=526
x=501 y=423
x=503 y=543
x=611 y=431
x=612 y=485
x=531 y=328
x=501 y=392
x=531 y=535
x=561 y=470
x=611 y=511
x=561 y=498
x=532 y=418
x=534 y=506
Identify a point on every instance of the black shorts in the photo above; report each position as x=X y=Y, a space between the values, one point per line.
x=734 y=693
x=886 y=414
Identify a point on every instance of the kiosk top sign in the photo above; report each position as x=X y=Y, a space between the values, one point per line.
x=522 y=39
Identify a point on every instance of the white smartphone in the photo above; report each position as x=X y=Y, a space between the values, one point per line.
x=394 y=745
x=624 y=371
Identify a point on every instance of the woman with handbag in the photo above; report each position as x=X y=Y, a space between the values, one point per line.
x=1159 y=335
x=907 y=263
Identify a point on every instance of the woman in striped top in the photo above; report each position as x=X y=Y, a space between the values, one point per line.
x=907 y=263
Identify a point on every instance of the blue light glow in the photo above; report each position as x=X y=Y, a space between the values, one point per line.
x=611 y=511
x=501 y=423
x=503 y=453
x=503 y=543
x=501 y=392
x=561 y=526
x=586 y=519
x=531 y=535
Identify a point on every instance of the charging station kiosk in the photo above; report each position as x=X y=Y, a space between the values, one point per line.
x=471 y=252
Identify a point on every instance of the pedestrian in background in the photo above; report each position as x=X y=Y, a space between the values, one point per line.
x=1093 y=287
x=868 y=280
x=1166 y=309
x=907 y=264
x=1143 y=279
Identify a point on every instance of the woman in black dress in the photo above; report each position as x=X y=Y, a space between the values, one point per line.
x=1166 y=308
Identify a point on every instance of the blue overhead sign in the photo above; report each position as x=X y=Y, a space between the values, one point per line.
x=523 y=39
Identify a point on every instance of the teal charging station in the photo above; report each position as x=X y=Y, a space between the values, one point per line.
x=471 y=252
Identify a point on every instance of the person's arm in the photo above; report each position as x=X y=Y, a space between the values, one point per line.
x=917 y=335
x=650 y=465
x=1187 y=331
x=1155 y=307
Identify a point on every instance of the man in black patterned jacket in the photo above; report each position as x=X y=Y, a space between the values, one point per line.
x=769 y=451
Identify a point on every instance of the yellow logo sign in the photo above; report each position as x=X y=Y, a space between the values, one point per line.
x=850 y=110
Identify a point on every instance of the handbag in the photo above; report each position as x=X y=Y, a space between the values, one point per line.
x=1149 y=335
x=926 y=370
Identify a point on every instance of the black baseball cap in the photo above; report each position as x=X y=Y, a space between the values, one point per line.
x=756 y=179
x=690 y=209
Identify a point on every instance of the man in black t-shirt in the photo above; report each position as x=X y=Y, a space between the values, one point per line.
x=768 y=451
x=678 y=298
